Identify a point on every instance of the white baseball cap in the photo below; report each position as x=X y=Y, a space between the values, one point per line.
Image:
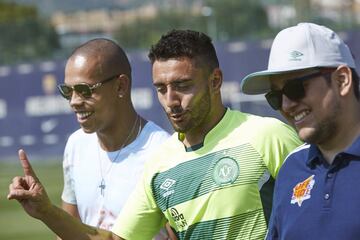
x=306 y=45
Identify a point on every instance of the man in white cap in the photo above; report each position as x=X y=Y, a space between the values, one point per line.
x=311 y=79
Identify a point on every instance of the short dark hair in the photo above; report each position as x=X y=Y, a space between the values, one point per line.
x=355 y=78
x=111 y=53
x=185 y=43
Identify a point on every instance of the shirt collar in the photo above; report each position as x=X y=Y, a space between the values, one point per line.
x=354 y=149
x=214 y=131
x=315 y=156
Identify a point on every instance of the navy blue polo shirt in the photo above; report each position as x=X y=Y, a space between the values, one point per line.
x=315 y=200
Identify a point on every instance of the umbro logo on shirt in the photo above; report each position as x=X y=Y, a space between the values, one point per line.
x=302 y=191
x=166 y=185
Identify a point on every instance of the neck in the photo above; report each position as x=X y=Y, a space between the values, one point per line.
x=124 y=133
x=347 y=134
x=197 y=135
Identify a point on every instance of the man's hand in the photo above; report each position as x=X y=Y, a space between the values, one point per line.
x=29 y=191
x=31 y=194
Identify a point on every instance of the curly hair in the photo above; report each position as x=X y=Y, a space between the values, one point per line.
x=185 y=43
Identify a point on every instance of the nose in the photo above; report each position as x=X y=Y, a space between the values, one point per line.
x=287 y=104
x=76 y=99
x=172 y=98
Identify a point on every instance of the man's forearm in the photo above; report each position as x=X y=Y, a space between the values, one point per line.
x=69 y=228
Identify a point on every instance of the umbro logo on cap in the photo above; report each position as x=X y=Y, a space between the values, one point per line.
x=296 y=56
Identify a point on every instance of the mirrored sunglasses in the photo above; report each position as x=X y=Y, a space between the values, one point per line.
x=293 y=89
x=83 y=89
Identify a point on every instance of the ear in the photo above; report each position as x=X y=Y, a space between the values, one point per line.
x=344 y=80
x=216 y=80
x=123 y=86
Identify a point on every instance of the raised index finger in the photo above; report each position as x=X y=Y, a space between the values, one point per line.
x=28 y=171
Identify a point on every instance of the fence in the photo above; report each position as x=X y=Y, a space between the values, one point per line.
x=35 y=117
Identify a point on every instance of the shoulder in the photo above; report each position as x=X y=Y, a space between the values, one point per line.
x=258 y=127
x=295 y=159
x=249 y=119
x=153 y=134
x=79 y=134
x=160 y=156
x=265 y=124
x=269 y=137
x=301 y=152
x=156 y=130
x=79 y=138
x=169 y=144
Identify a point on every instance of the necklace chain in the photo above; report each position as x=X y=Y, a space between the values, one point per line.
x=102 y=185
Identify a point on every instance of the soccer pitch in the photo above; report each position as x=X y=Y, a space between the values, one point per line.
x=15 y=224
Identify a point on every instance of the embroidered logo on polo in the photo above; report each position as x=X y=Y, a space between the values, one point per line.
x=178 y=218
x=226 y=171
x=302 y=191
x=296 y=56
x=166 y=185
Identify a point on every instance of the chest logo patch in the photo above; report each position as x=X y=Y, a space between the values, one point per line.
x=226 y=171
x=302 y=190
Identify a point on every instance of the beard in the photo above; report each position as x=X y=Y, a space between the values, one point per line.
x=326 y=129
x=196 y=113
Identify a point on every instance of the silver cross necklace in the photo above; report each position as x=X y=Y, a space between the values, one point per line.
x=102 y=185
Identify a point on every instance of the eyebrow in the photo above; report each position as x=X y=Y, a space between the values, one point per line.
x=176 y=81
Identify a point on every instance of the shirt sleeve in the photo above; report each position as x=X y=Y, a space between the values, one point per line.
x=272 y=233
x=68 y=194
x=277 y=140
x=140 y=218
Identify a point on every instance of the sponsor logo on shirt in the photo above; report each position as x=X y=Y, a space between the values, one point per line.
x=166 y=185
x=226 y=171
x=178 y=218
x=302 y=191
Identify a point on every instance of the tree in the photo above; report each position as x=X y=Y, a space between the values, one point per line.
x=142 y=33
x=239 y=18
x=222 y=20
x=25 y=36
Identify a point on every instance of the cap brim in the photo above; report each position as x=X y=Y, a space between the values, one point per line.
x=259 y=82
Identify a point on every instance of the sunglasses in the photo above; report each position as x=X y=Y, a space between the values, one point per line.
x=83 y=89
x=293 y=89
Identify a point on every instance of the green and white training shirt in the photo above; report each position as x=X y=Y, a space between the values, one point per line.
x=221 y=191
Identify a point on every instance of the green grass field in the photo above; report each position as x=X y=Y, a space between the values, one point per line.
x=15 y=224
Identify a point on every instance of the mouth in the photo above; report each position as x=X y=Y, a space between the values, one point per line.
x=176 y=117
x=301 y=115
x=82 y=116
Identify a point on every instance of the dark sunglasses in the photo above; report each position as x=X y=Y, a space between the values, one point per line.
x=293 y=89
x=83 y=89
